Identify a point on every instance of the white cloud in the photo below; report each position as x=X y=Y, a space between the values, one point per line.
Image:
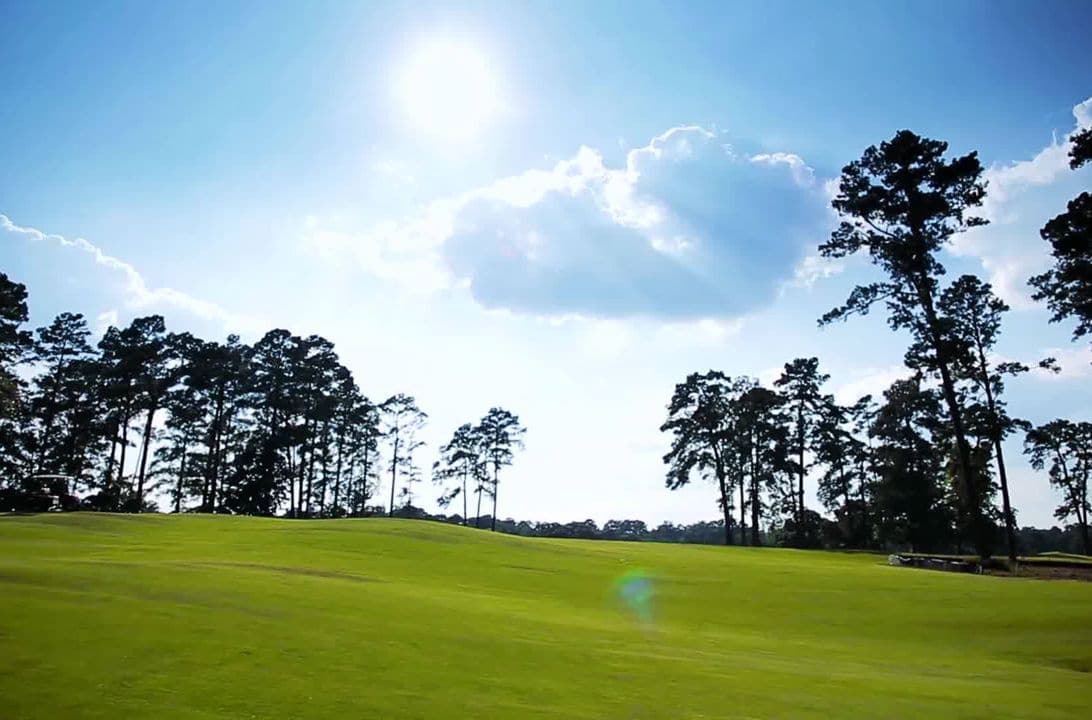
x=1021 y=197
x=1074 y=362
x=813 y=268
x=870 y=381
x=804 y=175
x=673 y=233
x=138 y=293
x=104 y=321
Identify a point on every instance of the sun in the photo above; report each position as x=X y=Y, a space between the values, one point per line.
x=447 y=90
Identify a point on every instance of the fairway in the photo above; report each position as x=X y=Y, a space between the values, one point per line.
x=112 y=616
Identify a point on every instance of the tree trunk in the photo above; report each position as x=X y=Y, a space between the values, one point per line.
x=466 y=520
x=742 y=504
x=866 y=520
x=995 y=432
x=113 y=449
x=493 y=521
x=955 y=414
x=364 y=480
x=350 y=500
x=178 y=486
x=1082 y=515
x=478 y=516
x=144 y=455
x=800 y=497
x=756 y=539
x=124 y=446
x=722 y=486
x=310 y=474
x=208 y=503
x=337 y=468
x=394 y=474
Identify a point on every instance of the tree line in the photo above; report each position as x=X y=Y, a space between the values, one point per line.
x=921 y=467
x=281 y=426
x=277 y=427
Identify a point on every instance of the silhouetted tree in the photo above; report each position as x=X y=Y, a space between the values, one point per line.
x=902 y=202
x=975 y=313
x=461 y=460
x=58 y=351
x=701 y=419
x=501 y=435
x=14 y=343
x=800 y=384
x=402 y=420
x=1067 y=287
x=764 y=439
x=1066 y=449
x=909 y=492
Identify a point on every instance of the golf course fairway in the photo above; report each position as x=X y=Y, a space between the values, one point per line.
x=153 y=616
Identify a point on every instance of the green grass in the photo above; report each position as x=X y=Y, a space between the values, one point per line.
x=107 y=616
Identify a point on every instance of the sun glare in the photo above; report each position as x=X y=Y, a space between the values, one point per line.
x=447 y=90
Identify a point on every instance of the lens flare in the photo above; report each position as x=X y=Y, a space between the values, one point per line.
x=636 y=591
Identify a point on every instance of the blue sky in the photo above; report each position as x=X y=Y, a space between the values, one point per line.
x=635 y=191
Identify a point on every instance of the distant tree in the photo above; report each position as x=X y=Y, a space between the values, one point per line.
x=461 y=460
x=701 y=421
x=624 y=530
x=402 y=420
x=902 y=202
x=800 y=384
x=1065 y=448
x=501 y=435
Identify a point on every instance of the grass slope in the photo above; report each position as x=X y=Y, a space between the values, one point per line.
x=108 y=616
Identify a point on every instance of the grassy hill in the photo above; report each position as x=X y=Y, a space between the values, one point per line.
x=108 y=616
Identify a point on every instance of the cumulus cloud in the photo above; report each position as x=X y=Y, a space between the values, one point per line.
x=686 y=229
x=136 y=289
x=1021 y=197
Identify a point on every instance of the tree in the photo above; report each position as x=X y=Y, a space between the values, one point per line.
x=460 y=460
x=909 y=493
x=402 y=420
x=134 y=364
x=800 y=384
x=975 y=313
x=57 y=349
x=844 y=458
x=902 y=202
x=1080 y=152
x=700 y=419
x=363 y=450
x=764 y=444
x=14 y=342
x=1067 y=287
x=1066 y=448
x=501 y=435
